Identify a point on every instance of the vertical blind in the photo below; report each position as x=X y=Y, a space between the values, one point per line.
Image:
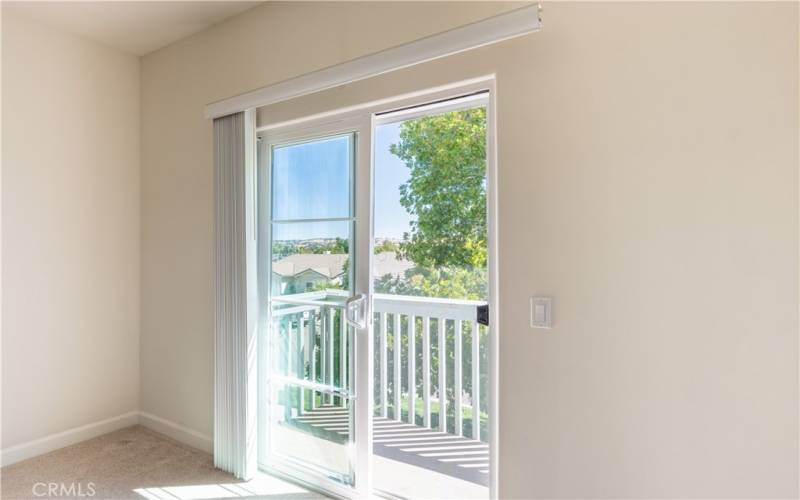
x=235 y=296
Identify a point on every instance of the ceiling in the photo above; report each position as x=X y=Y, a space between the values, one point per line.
x=135 y=27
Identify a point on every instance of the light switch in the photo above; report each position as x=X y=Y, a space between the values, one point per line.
x=541 y=312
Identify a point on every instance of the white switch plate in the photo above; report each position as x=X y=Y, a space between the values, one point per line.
x=541 y=312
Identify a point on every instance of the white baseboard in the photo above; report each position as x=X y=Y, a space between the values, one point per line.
x=69 y=437
x=177 y=432
x=61 y=439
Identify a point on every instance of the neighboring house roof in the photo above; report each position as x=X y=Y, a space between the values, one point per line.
x=387 y=263
x=331 y=265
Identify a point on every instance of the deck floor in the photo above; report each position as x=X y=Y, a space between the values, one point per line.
x=455 y=456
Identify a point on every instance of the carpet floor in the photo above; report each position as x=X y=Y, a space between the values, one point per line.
x=135 y=463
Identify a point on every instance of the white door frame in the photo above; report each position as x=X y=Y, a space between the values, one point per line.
x=362 y=120
x=363 y=432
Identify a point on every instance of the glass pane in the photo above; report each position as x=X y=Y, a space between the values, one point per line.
x=430 y=206
x=311 y=180
x=310 y=257
x=429 y=275
x=317 y=438
x=308 y=417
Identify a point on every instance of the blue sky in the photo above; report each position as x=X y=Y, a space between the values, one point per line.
x=311 y=181
x=391 y=219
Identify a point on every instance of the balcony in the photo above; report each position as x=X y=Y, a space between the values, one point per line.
x=442 y=443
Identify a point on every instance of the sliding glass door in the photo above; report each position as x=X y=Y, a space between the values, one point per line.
x=375 y=366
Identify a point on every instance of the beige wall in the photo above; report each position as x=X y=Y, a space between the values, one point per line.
x=70 y=218
x=648 y=182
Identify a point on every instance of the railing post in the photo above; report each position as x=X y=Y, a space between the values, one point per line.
x=329 y=361
x=476 y=382
x=300 y=357
x=457 y=376
x=312 y=341
x=306 y=350
x=290 y=361
x=290 y=347
x=398 y=383
x=426 y=371
x=286 y=364
x=412 y=370
x=442 y=337
x=323 y=350
x=342 y=355
x=383 y=360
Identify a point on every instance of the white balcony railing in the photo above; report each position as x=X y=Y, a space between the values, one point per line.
x=312 y=326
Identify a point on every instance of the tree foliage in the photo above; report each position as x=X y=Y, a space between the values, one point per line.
x=445 y=193
x=386 y=246
x=450 y=282
x=336 y=245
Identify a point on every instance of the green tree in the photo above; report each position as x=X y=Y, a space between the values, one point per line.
x=339 y=245
x=450 y=282
x=446 y=196
x=386 y=246
x=446 y=190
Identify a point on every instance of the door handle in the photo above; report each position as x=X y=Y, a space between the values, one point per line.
x=355 y=311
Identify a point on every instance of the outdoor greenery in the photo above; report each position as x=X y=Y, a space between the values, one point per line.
x=446 y=197
x=281 y=249
x=386 y=246
x=445 y=193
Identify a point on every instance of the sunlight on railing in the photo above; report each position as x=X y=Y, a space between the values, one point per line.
x=418 y=391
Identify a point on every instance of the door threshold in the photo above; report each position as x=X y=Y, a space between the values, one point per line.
x=271 y=471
